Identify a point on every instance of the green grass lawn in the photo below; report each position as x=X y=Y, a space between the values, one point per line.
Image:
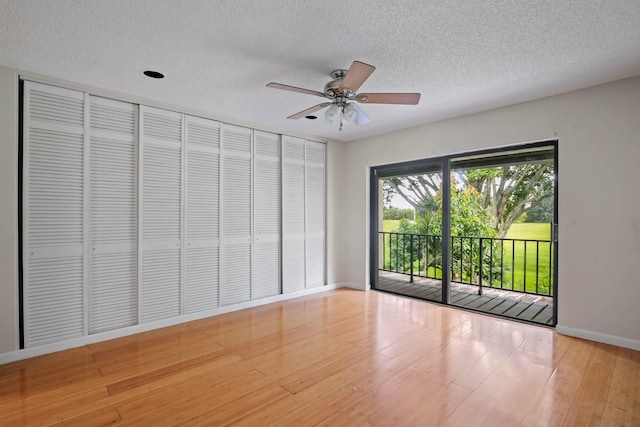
x=390 y=225
x=536 y=253
x=536 y=272
x=529 y=230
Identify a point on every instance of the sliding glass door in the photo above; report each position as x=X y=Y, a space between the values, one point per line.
x=484 y=238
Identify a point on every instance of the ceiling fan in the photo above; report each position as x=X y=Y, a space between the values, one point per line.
x=342 y=90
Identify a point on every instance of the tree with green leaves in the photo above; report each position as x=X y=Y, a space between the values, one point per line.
x=510 y=190
x=542 y=212
x=468 y=218
x=396 y=213
x=417 y=190
x=507 y=191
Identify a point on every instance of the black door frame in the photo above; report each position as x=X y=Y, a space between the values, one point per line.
x=419 y=166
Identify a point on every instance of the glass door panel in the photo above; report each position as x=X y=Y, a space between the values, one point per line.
x=409 y=240
x=501 y=250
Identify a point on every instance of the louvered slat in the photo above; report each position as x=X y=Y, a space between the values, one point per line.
x=113 y=291
x=266 y=266
x=237 y=138
x=236 y=273
x=236 y=182
x=53 y=204
x=315 y=199
x=201 y=291
x=160 y=287
x=203 y=132
x=161 y=226
x=237 y=197
x=267 y=145
x=315 y=152
x=266 y=278
x=55 y=105
x=236 y=215
x=163 y=125
x=293 y=216
x=55 y=187
x=113 y=116
x=202 y=213
x=293 y=266
x=267 y=185
x=314 y=258
x=53 y=302
x=202 y=194
x=315 y=213
x=267 y=198
x=292 y=149
x=293 y=196
x=161 y=192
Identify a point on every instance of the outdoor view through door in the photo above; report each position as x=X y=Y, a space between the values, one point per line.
x=410 y=234
x=493 y=220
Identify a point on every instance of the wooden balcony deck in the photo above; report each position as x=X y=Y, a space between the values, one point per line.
x=515 y=305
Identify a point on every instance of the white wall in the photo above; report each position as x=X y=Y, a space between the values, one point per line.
x=8 y=210
x=599 y=203
x=9 y=332
x=336 y=238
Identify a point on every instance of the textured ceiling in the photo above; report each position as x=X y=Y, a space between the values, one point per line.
x=463 y=56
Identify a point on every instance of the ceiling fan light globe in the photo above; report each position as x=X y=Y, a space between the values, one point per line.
x=350 y=113
x=332 y=113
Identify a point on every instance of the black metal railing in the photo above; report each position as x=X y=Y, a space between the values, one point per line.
x=519 y=265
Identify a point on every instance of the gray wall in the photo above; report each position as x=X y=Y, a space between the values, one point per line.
x=599 y=203
x=8 y=210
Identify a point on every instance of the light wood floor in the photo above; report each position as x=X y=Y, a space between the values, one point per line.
x=338 y=358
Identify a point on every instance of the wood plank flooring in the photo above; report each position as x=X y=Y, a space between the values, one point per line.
x=339 y=358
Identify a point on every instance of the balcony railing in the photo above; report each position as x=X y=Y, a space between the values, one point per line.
x=518 y=265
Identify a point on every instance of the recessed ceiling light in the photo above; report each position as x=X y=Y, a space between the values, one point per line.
x=311 y=117
x=153 y=74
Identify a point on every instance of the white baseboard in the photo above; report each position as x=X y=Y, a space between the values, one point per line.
x=599 y=337
x=131 y=330
x=356 y=286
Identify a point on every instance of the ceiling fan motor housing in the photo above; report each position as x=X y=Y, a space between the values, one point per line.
x=331 y=88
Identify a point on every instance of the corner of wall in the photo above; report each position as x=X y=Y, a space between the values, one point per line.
x=599 y=337
x=356 y=286
x=336 y=224
x=9 y=209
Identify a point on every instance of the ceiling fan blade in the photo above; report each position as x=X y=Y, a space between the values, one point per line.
x=389 y=98
x=358 y=73
x=362 y=118
x=308 y=111
x=297 y=89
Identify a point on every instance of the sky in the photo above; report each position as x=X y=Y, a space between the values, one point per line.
x=399 y=202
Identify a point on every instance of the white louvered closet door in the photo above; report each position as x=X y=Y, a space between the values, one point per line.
x=266 y=214
x=53 y=211
x=236 y=215
x=160 y=212
x=293 y=214
x=315 y=213
x=202 y=214
x=113 y=257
